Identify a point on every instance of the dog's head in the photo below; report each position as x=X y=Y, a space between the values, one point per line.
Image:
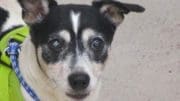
x=72 y=41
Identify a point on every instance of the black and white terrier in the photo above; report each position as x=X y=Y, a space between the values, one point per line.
x=63 y=57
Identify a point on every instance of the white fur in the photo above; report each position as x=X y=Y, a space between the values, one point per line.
x=75 y=18
x=84 y=64
x=87 y=34
x=45 y=87
x=65 y=35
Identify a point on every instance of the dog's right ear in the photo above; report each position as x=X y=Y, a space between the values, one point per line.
x=34 y=11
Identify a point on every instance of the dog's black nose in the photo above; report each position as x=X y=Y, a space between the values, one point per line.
x=79 y=81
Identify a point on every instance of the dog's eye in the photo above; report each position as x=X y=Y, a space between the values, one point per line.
x=56 y=45
x=97 y=44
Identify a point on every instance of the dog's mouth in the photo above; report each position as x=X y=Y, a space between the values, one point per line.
x=78 y=96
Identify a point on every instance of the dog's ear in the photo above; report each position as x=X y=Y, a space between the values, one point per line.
x=34 y=11
x=115 y=10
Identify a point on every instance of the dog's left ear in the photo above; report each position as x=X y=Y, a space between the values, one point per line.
x=115 y=11
x=34 y=11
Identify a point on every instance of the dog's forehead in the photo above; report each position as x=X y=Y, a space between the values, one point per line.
x=77 y=18
x=73 y=19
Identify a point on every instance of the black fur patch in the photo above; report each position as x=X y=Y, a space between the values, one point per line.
x=3 y=17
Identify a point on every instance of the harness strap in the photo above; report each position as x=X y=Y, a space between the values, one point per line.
x=19 y=34
x=13 y=52
x=9 y=84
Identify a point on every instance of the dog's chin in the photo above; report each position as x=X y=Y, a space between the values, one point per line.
x=78 y=96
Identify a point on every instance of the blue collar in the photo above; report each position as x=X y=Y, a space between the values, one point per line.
x=13 y=52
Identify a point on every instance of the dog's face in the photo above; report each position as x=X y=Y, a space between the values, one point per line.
x=72 y=41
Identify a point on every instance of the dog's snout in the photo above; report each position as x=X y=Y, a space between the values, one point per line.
x=79 y=81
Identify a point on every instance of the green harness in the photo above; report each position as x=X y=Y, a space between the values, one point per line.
x=9 y=84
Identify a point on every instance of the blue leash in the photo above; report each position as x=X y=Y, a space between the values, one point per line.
x=13 y=51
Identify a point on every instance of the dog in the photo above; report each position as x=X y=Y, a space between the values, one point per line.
x=63 y=57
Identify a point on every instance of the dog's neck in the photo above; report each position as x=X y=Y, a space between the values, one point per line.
x=34 y=76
